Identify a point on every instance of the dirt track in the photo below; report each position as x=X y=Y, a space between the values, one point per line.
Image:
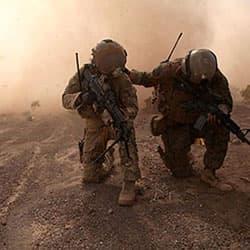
x=43 y=205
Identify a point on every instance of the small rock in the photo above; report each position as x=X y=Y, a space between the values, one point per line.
x=92 y=211
x=3 y=221
x=68 y=226
x=110 y=211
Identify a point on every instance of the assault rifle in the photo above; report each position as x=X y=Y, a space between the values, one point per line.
x=205 y=102
x=106 y=99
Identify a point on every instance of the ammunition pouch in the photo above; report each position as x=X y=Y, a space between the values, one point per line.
x=158 y=125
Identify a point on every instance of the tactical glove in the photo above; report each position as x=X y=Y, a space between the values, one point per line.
x=88 y=98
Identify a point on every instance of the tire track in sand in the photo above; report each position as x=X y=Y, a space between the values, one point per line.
x=20 y=189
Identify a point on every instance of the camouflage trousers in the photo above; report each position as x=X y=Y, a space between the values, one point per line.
x=177 y=143
x=96 y=139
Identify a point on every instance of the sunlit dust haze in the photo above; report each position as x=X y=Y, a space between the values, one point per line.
x=38 y=40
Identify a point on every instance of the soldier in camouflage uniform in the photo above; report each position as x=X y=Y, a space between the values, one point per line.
x=176 y=125
x=109 y=59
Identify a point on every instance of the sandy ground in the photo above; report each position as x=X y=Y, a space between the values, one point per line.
x=44 y=206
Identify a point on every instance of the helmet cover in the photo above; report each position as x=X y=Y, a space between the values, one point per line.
x=108 y=55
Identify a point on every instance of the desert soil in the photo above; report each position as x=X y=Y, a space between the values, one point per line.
x=44 y=206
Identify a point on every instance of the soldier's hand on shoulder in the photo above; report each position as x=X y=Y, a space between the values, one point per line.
x=133 y=75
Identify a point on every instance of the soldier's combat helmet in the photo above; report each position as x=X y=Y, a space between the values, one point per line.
x=109 y=55
x=199 y=65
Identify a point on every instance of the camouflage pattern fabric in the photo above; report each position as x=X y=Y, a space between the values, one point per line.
x=177 y=143
x=97 y=133
x=170 y=98
x=179 y=133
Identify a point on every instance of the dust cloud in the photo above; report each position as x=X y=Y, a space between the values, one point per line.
x=39 y=38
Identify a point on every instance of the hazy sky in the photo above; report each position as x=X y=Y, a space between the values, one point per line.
x=38 y=38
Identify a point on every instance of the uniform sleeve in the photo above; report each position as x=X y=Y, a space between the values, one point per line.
x=159 y=75
x=221 y=88
x=128 y=97
x=70 y=97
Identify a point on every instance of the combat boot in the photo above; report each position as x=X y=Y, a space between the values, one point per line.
x=208 y=176
x=127 y=194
